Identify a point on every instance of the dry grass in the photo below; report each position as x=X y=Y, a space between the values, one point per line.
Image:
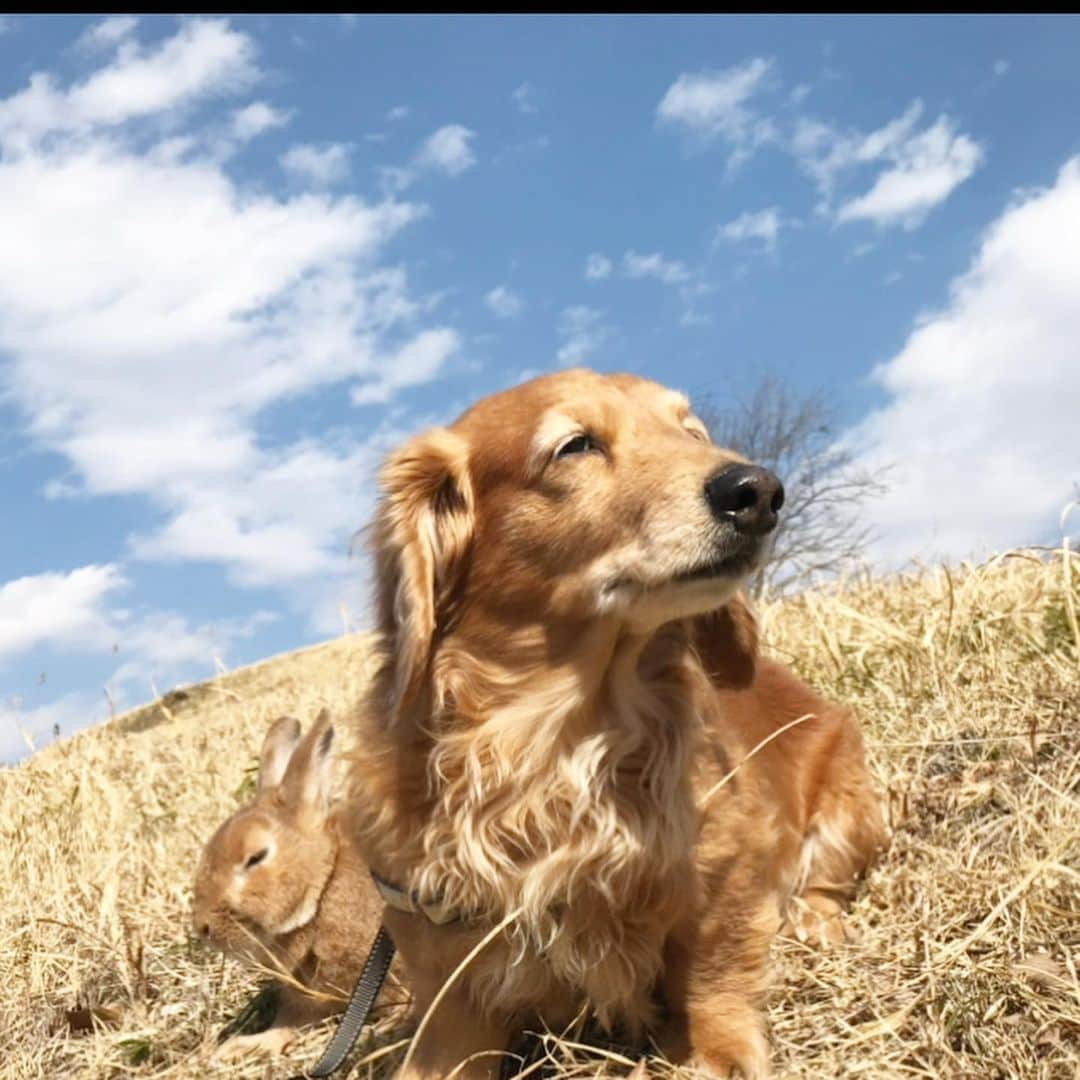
x=967 y=683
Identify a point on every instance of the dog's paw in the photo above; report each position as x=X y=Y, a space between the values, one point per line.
x=818 y=921
x=743 y=1070
x=746 y=1058
x=274 y=1040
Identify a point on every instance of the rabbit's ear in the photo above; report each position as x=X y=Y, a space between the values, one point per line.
x=277 y=749
x=307 y=787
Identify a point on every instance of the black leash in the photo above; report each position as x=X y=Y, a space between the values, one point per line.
x=357 y=1011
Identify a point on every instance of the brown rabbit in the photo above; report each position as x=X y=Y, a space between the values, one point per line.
x=280 y=885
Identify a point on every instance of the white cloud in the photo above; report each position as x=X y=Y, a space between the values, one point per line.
x=322 y=166
x=76 y=613
x=524 y=98
x=24 y=730
x=825 y=153
x=917 y=169
x=930 y=166
x=717 y=104
x=890 y=139
x=254 y=527
x=636 y=266
x=448 y=150
x=1001 y=67
x=417 y=362
x=109 y=32
x=922 y=168
x=445 y=151
x=982 y=407
x=529 y=147
x=654 y=265
x=583 y=331
x=66 y=609
x=598 y=267
x=503 y=303
x=763 y=225
x=153 y=307
x=398 y=112
x=203 y=59
x=156 y=648
x=252 y=120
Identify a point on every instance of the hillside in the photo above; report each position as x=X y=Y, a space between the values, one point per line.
x=966 y=961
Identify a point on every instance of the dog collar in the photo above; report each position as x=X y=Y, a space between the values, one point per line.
x=403 y=900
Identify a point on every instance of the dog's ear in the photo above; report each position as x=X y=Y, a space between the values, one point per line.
x=422 y=535
x=726 y=640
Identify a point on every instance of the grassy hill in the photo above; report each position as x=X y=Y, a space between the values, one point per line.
x=967 y=683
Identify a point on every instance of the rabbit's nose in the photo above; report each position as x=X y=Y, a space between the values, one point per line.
x=204 y=930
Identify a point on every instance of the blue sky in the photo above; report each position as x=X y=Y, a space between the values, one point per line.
x=240 y=259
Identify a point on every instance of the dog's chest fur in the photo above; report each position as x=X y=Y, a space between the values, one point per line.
x=579 y=819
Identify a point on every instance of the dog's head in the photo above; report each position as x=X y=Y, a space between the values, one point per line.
x=569 y=500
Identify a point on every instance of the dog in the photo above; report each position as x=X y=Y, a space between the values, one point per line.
x=581 y=787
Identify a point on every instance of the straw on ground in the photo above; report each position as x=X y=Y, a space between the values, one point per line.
x=965 y=963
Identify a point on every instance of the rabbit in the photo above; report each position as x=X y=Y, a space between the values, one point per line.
x=281 y=885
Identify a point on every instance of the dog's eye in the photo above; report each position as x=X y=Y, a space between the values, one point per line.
x=254 y=860
x=579 y=444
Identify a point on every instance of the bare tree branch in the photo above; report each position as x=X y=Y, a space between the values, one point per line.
x=820 y=531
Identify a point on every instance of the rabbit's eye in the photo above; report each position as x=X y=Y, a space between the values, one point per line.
x=254 y=860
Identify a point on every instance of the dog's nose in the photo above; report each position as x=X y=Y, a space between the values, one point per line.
x=747 y=496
